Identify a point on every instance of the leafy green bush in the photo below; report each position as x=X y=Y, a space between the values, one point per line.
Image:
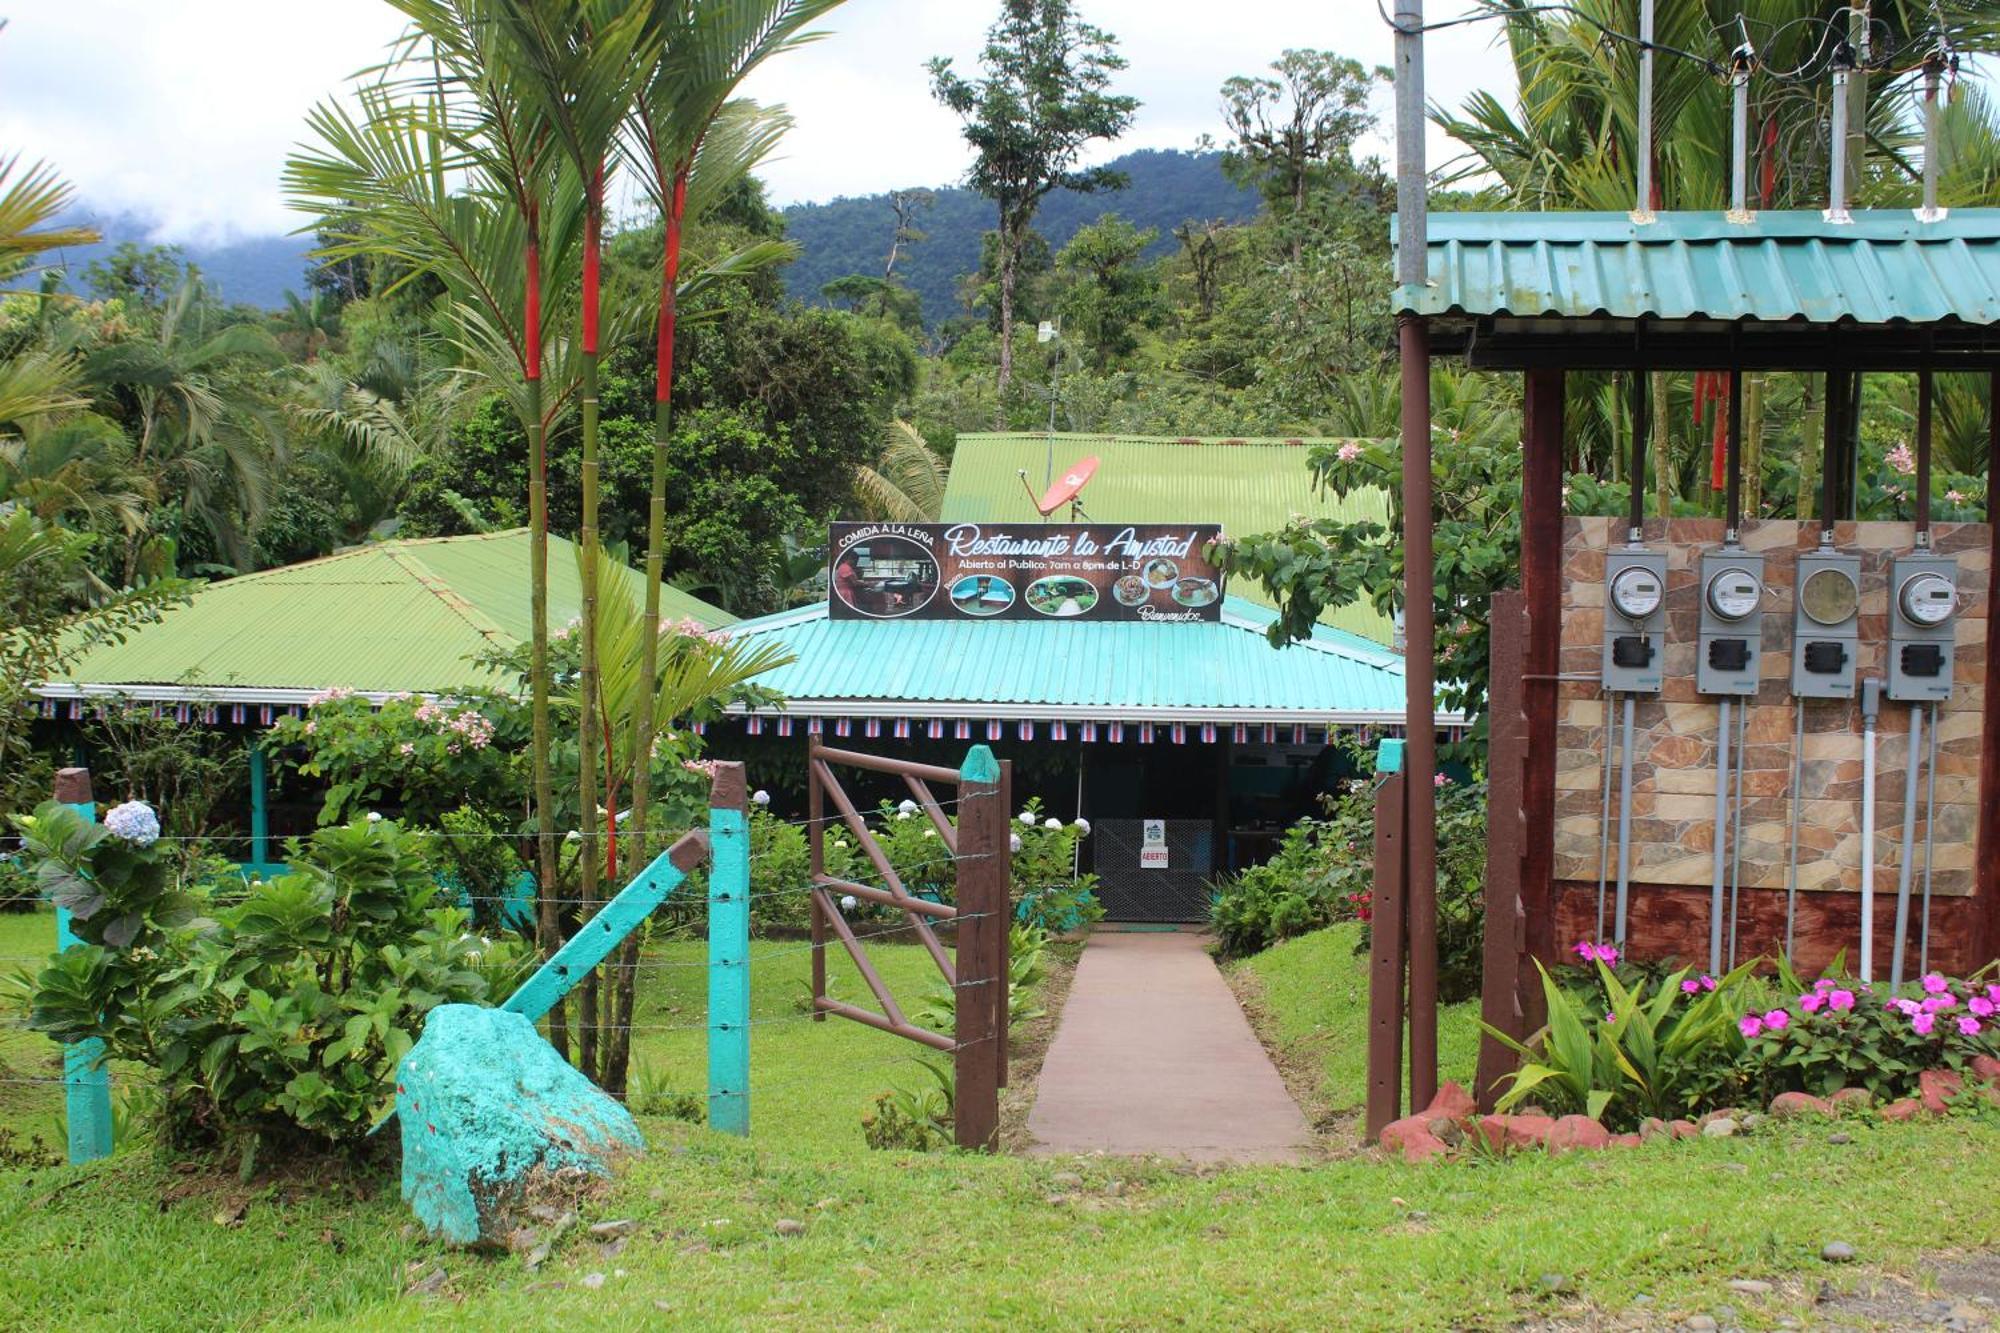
x=917 y=1119
x=1026 y=946
x=479 y=861
x=276 y=1015
x=1047 y=890
x=421 y=757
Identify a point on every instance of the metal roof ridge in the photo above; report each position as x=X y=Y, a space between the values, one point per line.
x=796 y=615
x=1381 y=658
x=437 y=586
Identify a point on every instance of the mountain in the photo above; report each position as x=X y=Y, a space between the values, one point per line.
x=256 y=270
x=852 y=235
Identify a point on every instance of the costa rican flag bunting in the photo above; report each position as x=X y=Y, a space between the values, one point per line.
x=753 y=725
x=263 y=715
x=1145 y=733
x=843 y=727
x=701 y=728
x=935 y=729
x=236 y=713
x=1116 y=733
x=1270 y=733
x=815 y=726
x=1090 y=733
x=1240 y=734
x=1299 y=733
x=995 y=730
x=1178 y=733
x=1026 y=731
x=784 y=726
x=872 y=728
x=961 y=730
x=48 y=708
x=1208 y=733
x=902 y=729
x=1058 y=731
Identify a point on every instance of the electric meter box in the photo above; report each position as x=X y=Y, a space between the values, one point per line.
x=1732 y=622
x=1923 y=625
x=1635 y=620
x=1826 y=625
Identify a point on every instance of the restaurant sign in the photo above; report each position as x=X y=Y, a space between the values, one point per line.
x=1061 y=571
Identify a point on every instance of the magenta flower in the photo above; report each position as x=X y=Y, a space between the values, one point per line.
x=1610 y=1017
x=1980 y=1005
x=1825 y=983
x=1707 y=982
x=1440 y=780
x=1908 y=1008
x=1993 y=992
x=1690 y=987
x=1935 y=984
x=1840 y=999
x=1585 y=950
x=1937 y=1004
x=1922 y=1024
x=1607 y=955
x=1811 y=1001
x=1777 y=1020
x=1969 y=1025
x=1750 y=1025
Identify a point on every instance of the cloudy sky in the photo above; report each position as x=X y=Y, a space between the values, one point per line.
x=183 y=110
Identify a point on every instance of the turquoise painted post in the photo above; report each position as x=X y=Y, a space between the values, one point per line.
x=728 y=952
x=86 y=1078
x=260 y=813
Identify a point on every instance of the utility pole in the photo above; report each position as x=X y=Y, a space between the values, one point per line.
x=1419 y=660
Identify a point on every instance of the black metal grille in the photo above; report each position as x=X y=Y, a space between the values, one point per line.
x=1131 y=892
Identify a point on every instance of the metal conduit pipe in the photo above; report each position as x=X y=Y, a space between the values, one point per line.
x=1930 y=818
x=1624 y=826
x=1871 y=703
x=1906 y=863
x=1721 y=849
x=1740 y=64
x=1642 y=210
x=1604 y=825
x=1736 y=828
x=1792 y=852
x=1836 y=203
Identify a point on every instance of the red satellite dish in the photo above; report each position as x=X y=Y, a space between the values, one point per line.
x=1067 y=486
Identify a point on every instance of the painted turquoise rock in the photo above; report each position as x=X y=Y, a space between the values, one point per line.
x=485 y=1104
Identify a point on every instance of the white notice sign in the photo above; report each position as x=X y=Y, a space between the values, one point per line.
x=1153 y=846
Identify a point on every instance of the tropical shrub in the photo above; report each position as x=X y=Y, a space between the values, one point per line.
x=1026 y=947
x=1047 y=890
x=913 y=1119
x=1837 y=1033
x=1624 y=1053
x=276 y=1014
x=479 y=861
x=418 y=757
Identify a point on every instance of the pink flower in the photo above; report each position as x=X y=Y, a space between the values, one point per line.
x=1811 y=1001
x=1957 y=497
x=1969 y=1025
x=311 y=727
x=1750 y=1025
x=1937 y=1004
x=1840 y=1000
x=406 y=748
x=1440 y=781
x=1923 y=1023
x=1993 y=992
x=1690 y=987
x=1585 y=950
x=1777 y=1020
x=1348 y=452
x=1980 y=1005
x=1610 y=1017
x=1901 y=459
x=1935 y=984
x=1908 y=1008
x=1607 y=955
x=1707 y=982
x=1824 y=983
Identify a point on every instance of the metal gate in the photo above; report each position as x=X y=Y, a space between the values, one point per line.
x=978 y=843
x=1131 y=890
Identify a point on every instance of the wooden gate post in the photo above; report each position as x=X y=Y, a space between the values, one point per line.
x=1506 y=929
x=1002 y=1017
x=816 y=841
x=1385 y=960
x=729 y=951
x=86 y=1078
x=982 y=949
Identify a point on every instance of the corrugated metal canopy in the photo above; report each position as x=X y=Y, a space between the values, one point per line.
x=1246 y=485
x=1218 y=671
x=1884 y=267
x=381 y=618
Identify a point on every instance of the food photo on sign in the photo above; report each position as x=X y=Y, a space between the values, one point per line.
x=1057 y=571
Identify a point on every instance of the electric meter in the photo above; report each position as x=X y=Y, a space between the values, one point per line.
x=1923 y=604
x=1636 y=593
x=1829 y=596
x=1734 y=593
x=1927 y=599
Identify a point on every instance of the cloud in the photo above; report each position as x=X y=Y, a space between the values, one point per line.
x=184 y=112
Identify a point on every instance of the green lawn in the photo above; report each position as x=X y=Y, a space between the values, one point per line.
x=948 y=1241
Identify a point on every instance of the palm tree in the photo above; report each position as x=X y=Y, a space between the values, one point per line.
x=906 y=482
x=35 y=379
x=66 y=469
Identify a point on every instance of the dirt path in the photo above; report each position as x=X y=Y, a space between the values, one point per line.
x=1154 y=1057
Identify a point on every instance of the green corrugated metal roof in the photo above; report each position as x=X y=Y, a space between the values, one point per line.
x=1884 y=267
x=1216 y=671
x=1248 y=486
x=396 y=615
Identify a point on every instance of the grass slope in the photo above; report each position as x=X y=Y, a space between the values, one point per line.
x=948 y=1241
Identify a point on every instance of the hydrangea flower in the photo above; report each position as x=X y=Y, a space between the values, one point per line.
x=1014 y=842
x=1028 y=818
x=1082 y=827
x=1935 y=984
x=908 y=807
x=760 y=797
x=1052 y=824
x=1750 y=1025
x=135 y=822
x=374 y=816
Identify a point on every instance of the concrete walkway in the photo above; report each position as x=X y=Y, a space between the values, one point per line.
x=1152 y=1056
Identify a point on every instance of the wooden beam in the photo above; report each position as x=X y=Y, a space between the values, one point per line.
x=1543 y=439
x=1385 y=960
x=1986 y=874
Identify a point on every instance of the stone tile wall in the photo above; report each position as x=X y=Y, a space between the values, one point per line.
x=1673 y=823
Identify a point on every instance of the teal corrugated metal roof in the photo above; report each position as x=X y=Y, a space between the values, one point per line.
x=1248 y=486
x=388 y=616
x=1883 y=267
x=1215 y=671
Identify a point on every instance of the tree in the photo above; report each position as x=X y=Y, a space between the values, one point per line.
x=1041 y=100
x=905 y=204
x=906 y=483
x=1295 y=133
x=142 y=276
x=1203 y=249
x=878 y=298
x=1106 y=291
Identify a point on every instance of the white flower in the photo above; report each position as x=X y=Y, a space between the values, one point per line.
x=848 y=902
x=1028 y=818
x=902 y=814
x=908 y=807
x=1014 y=842
x=760 y=797
x=1052 y=824
x=574 y=835
x=930 y=833
x=1082 y=827
x=841 y=843
x=135 y=822
x=374 y=816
